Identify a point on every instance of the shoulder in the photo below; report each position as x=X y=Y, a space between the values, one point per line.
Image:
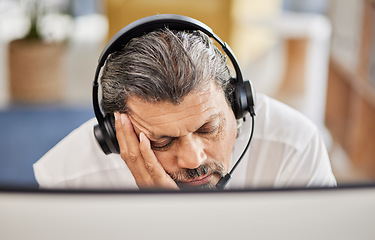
x=277 y=122
x=76 y=156
x=287 y=149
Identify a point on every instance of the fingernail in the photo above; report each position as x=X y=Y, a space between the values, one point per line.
x=123 y=118
x=116 y=115
x=141 y=137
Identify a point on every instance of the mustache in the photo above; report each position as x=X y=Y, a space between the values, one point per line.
x=204 y=169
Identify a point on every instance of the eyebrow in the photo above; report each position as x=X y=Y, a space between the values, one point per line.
x=156 y=138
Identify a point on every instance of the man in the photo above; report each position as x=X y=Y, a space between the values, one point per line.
x=170 y=93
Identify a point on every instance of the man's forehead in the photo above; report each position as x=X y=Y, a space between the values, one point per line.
x=156 y=117
x=195 y=102
x=155 y=134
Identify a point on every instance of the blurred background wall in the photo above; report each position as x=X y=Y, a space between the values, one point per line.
x=316 y=56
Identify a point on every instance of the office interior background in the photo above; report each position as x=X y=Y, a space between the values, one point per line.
x=318 y=56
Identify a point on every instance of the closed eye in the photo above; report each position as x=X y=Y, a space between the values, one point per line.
x=208 y=130
x=162 y=146
x=210 y=127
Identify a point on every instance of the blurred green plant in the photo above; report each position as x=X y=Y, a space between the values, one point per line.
x=34 y=12
x=36 y=9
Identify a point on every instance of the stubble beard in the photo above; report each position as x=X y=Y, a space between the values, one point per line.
x=216 y=170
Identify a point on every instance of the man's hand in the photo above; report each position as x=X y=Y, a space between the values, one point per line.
x=138 y=155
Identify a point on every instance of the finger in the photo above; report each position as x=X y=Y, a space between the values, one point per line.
x=122 y=142
x=153 y=166
x=120 y=132
x=132 y=156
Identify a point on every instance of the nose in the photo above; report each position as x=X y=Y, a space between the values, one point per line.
x=191 y=152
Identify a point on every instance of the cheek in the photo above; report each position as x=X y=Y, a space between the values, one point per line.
x=219 y=148
x=167 y=160
x=229 y=138
x=224 y=147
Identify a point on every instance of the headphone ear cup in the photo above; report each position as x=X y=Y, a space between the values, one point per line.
x=250 y=96
x=109 y=123
x=243 y=101
x=105 y=134
x=239 y=104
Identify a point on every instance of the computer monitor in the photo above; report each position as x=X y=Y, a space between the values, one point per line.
x=338 y=213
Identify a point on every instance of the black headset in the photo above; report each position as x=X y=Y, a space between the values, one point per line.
x=104 y=131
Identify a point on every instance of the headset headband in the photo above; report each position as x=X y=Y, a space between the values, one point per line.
x=172 y=22
x=149 y=24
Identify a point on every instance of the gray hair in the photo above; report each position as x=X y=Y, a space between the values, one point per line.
x=163 y=65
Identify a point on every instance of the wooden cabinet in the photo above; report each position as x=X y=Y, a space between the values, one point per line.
x=350 y=109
